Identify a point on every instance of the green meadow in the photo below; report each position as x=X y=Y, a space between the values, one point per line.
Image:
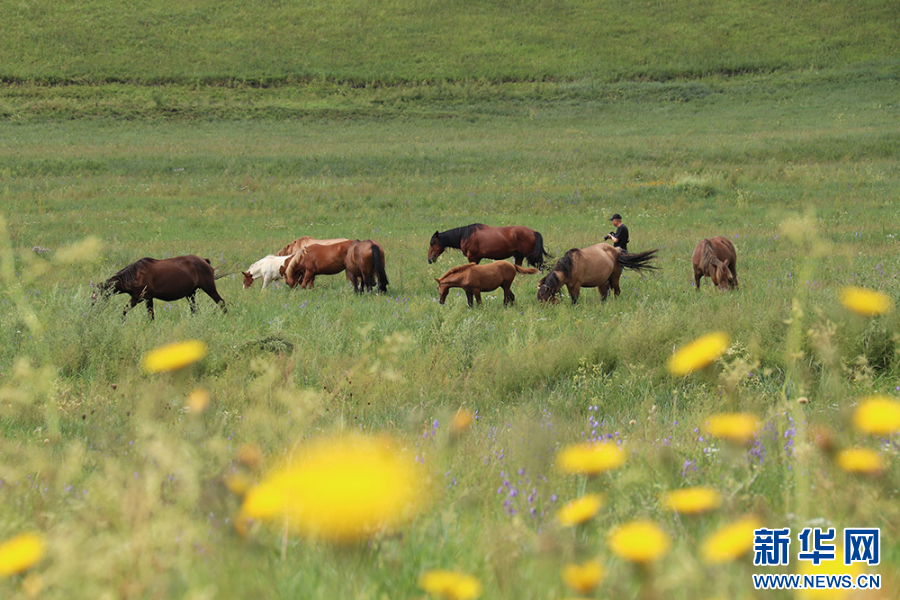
x=228 y=131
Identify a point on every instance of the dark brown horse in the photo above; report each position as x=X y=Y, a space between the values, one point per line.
x=365 y=264
x=167 y=279
x=716 y=259
x=598 y=266
x=474 y=279
x=314 y=260
x=479 y=241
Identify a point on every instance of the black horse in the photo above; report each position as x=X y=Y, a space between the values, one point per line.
x=167 y=279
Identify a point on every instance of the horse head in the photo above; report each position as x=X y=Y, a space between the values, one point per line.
x=248 y=279
x=722 y=276
x=548 y=287
x=434 y=248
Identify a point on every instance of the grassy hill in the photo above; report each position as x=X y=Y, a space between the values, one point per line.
x=412 y=41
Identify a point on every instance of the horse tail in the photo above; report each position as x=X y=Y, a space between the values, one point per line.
x=536 y=258
x=524 y=270
x=639 y=261
x=378 y=264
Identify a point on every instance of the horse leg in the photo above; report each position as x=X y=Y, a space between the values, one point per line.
x=518 y=257
x=508 y=296
x=211 y=291
x=134 y=302
x=477 y=293
x=614 y=282
x=697 y=276
x=192 y=301
x=603 y=288
x=150 y=308
x=574 y=291
x=469 y=298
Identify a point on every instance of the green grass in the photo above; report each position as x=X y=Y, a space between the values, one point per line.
x=152 y=130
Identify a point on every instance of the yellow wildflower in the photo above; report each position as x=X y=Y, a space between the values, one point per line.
x=731 y=541
x=867 y=303
x=173 y=357
x=639 y=541
x=830 y=567
x=693 y=500
x=583 y=578
x=877 y=415
x=580 y=510
x=590 y=458
x=699 y=353
x=736 y=427
x=340 y=489
x=859 y=460
x=197 y=401
x=461 y=422
x=450 y=585
x=20 y=553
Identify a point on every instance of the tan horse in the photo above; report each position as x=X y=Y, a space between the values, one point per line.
x=474 y=279
x=365 y=264
x=716 y=259
x=598 y=266
x=300 y=243
x=316 y=259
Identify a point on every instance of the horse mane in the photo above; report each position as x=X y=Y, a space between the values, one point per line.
x=708 y=256
x=291 y=248
x=565 y=264
x=128 y=276
x=458 y=269
x=452 y=238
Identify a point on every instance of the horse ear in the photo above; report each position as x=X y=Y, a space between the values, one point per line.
x=436 y=279
x=725 y=262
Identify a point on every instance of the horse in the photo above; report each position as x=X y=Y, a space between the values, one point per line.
x=479 y=241
x=365 y=262
x=168 y=279
x=716 y=259
x=598 y=266
x=266 y=267
x=474 y=279
x=316 y=259
x=302 y=242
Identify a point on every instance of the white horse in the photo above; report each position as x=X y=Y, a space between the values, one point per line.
x=267 y=268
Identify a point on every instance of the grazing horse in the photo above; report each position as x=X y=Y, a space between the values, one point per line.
x=474 y=279
x=365 y=261
x=598 y=266
x=300 y=243
x=267 y=268
x=716 y=259
x=479 y=241
x=167 y=279
x=315 y=259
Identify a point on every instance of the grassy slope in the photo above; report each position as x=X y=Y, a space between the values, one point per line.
x=407 y=41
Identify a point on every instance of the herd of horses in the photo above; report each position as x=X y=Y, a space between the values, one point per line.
x=299 y=262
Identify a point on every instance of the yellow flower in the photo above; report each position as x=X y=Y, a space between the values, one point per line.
x=878 y=415
x=461 y=422
x=730 y=542
x=699 y=353
x=197 y=401
x=20 y=553
x=830 y=567
x=639 y=541
x=736 y=427
x=859 y=460
x=583 y=578
x=173 y=356
x=451 y=585
x=340 y=490
x=692 y=501
x=590 y=458
x=580 y=510
x=867 y=303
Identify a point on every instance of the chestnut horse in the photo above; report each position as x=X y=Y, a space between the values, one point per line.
x=716 y=259
x=474 y=279
x=365 y=262
x=167 y=279
x=300 y=243
x=598 y=266
x=316 y=259
x=479 y=241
